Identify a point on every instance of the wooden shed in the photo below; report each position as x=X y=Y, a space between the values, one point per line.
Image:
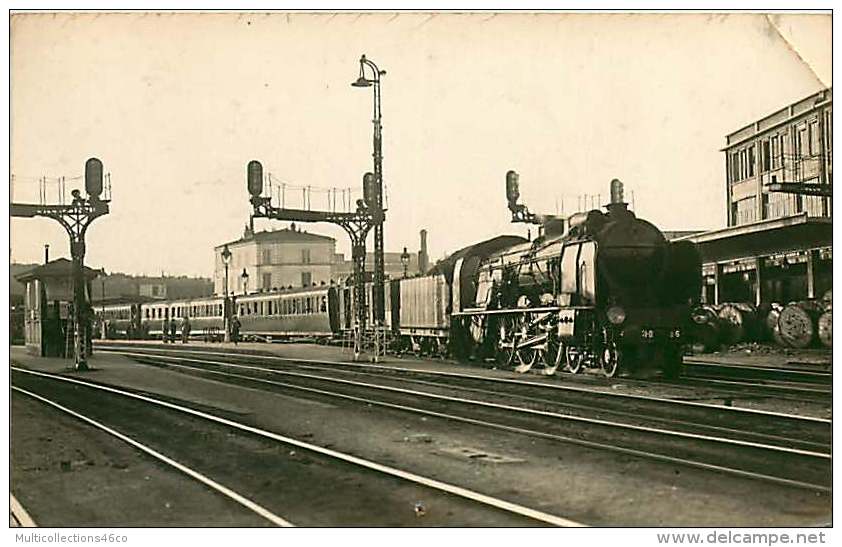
x=48 y=299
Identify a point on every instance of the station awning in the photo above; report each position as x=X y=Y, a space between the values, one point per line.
x=780 y=235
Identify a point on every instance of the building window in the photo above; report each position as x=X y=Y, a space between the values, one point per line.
x=267 y=256
x=814 y=145
x=267 y=281
x=801 y=141
x=784 y=148
x=305 y=256
x=751 y=161
x=774 y=151
x=766 y=156
x=306 y=279
x=828 y=132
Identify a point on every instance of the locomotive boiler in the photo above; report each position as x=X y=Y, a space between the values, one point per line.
x=610 y=292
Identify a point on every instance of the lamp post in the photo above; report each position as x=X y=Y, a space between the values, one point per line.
x=378 y=213
x=405 y=260
x=245 y=276
x=102 y=296
x=226 y=260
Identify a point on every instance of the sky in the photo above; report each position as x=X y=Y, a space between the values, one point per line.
x=175 y=105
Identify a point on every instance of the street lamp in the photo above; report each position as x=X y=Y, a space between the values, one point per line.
x=226 y=260
x=377 y=206
x=405 y=260
x=245 y=276
x=102 y=324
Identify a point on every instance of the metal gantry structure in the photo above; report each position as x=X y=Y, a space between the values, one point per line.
x=357 y=224
x=368 y=215
x=75 y=217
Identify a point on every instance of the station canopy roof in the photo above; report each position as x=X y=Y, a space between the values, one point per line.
x=779 y=235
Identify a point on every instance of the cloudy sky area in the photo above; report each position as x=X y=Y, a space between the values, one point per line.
x=176 y=105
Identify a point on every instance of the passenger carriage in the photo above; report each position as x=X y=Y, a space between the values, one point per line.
x=310 y=312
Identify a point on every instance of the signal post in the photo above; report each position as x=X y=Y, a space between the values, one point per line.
x=357 y=224
x=75 y=218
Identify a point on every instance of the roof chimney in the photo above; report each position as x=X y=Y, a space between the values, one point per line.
x=423 y=256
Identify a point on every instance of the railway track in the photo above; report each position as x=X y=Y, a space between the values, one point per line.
x=188 y=438
x=813 y=383
x=810 y=374
x=786 y=449
x=724 y=381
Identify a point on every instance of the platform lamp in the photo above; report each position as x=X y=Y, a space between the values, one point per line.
x=226 y=260
x=373 y=82
x=405 y=261
x=102 y=273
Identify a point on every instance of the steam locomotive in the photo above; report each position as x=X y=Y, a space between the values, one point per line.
x=609 y=293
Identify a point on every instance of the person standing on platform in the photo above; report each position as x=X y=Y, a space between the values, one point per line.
x=165 y=329
x=235 y=330
x=185 y=329
x=173 y=330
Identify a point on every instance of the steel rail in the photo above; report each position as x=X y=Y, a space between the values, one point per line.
x=577 y=406
x=567 y=439
x=500 y=406
x=514 y=381
x=19 y=513
x=789 y=371
x=434 y=484
x=214 y=485
x=788 y=389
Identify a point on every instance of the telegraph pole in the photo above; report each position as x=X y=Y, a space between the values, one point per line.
x=75 y=218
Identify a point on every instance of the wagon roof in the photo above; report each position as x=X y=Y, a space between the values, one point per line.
x=483 y=248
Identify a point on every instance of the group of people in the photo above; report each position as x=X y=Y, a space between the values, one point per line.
x=170 y=329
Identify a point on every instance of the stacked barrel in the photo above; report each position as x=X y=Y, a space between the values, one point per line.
x=803 y=324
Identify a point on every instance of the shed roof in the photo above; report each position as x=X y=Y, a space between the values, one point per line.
x=60 y=267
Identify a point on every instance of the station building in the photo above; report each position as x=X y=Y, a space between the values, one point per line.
x=292 y=257
x=275 y=259
x=777 y=246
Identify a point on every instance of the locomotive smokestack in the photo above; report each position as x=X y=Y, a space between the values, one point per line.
x=616 y=191
x=618 y=208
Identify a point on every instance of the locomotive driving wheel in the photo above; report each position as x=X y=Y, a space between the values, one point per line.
x=610 y=359
x=526 y=359
x=551 y=356
x=574 y=359
x=504 y=352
